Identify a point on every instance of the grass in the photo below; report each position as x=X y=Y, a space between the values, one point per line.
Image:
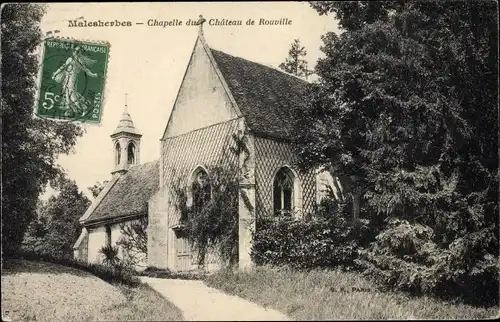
x=335 y=295
x=114 y=275
x=143 y=304
x=42 y=291
x=166 y=273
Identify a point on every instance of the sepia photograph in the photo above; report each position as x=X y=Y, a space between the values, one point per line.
x=250 y=161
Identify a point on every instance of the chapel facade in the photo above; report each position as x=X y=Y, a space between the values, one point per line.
x=222 y=99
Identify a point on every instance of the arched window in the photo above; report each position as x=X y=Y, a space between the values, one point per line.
x=283 y=190
x=131 y=153
x=118 y=153
x=201 y=189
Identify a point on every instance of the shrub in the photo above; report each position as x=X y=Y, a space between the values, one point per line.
x=109 y=255
x=117 y=274
x=405 y=256
x=151 y=271
x=328 y=240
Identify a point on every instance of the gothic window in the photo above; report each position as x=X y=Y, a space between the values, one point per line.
x=131 y=153
x=117 y=153
x=283 y=193
x=201 y=190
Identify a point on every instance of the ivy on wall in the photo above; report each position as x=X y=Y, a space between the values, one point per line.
x=212 y=224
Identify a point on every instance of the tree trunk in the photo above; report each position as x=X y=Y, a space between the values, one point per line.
x=356 y=198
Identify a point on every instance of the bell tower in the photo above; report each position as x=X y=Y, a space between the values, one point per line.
x=126 y=143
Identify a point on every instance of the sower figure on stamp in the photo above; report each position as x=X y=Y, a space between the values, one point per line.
x=67 y=75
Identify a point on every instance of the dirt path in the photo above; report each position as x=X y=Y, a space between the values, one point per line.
x=199 y=302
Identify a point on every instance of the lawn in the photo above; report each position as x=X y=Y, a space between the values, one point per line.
x=50 y=292
x=335 y=295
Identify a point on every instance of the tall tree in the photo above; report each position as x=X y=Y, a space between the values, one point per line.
x=30 y=146
x=34 y=239
x=57 y=227
x=295 y=62
x=407 y=103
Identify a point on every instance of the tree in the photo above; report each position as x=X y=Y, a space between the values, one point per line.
x=295 y=64
x=30 y=146
x=57 y=226
x=406 y=104
x=134 y=240
x=34 y=239
x=97 y=188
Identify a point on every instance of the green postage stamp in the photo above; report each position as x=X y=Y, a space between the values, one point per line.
x=72 y=80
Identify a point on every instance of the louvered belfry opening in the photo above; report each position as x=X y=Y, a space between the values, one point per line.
x=131 y=153
x=117 y=153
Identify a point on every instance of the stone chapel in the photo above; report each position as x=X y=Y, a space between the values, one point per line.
x=220 y=96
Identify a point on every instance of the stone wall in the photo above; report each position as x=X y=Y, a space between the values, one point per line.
x=97 y=239
x=81 y=247
x=157 y=230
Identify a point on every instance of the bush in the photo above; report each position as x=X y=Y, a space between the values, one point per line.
x=118 y=274
x=166 y=273
x=404 y=256
x=109 y=255
x=328 y=240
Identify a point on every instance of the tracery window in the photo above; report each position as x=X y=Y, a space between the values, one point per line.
x=283 y=190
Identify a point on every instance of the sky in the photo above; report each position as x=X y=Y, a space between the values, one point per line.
x=148 y=62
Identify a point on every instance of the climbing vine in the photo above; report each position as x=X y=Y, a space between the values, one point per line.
x=211 y=225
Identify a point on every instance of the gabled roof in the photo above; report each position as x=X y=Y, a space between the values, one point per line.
x=129 y=195
x=265 y=96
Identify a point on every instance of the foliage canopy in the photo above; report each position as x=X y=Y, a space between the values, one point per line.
x=30 y=146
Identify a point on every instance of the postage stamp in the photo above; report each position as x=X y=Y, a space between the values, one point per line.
x=72 y=80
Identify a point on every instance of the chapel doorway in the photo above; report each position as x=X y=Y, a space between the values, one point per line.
x=183 y=254
x=198 y=197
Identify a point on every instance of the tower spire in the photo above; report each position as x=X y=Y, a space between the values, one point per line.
x=126 y=124
x=126 y=106
x=126 y=141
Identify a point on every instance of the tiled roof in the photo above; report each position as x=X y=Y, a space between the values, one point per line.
x=130 y=194
x=265 y=96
